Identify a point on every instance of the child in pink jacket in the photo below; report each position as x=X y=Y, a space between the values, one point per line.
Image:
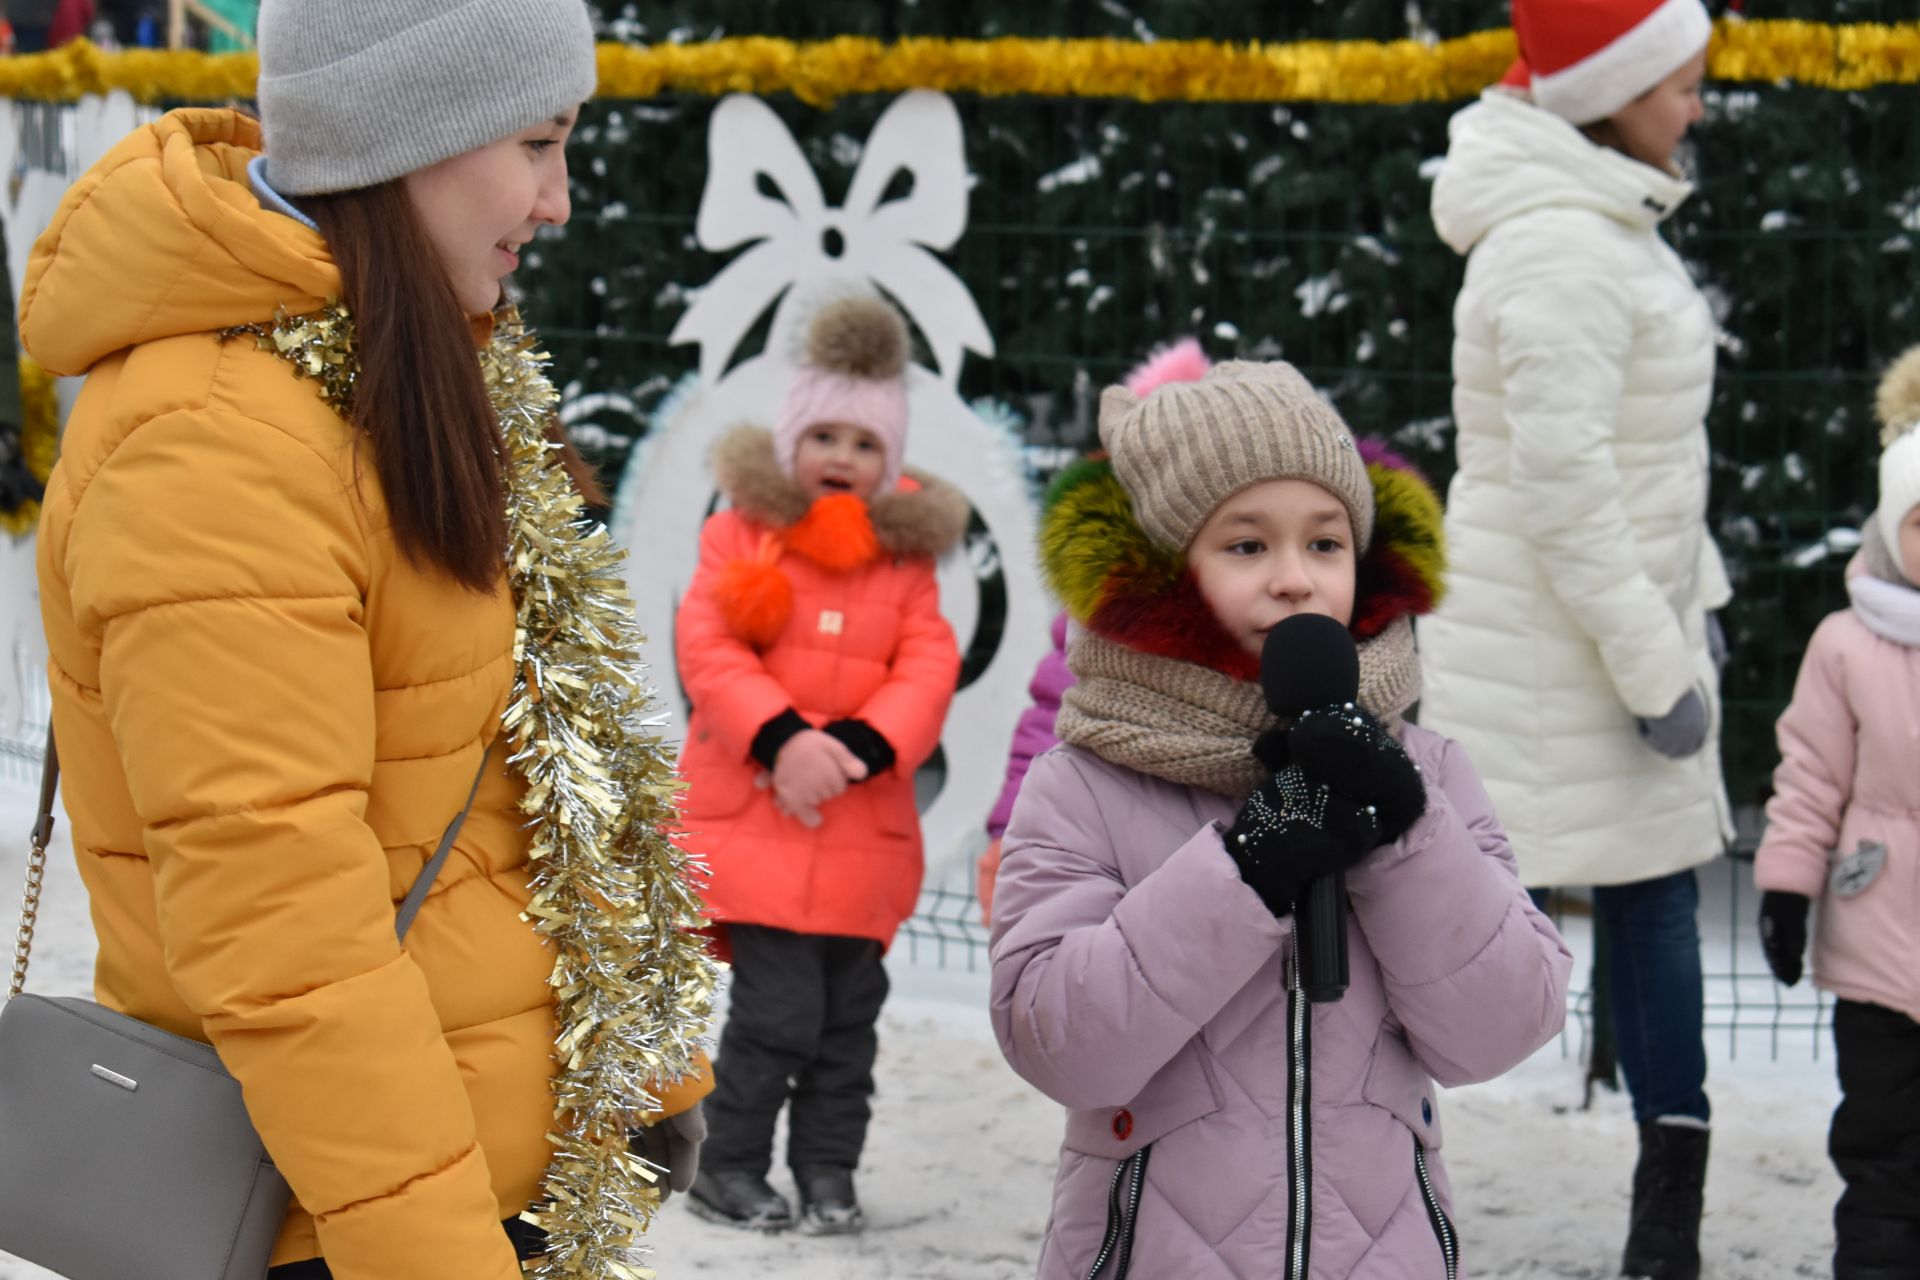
x=1220 y=1125
x=1843 y=829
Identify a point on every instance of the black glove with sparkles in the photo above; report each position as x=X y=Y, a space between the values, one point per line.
x=1292 y=830
x=1342 y=787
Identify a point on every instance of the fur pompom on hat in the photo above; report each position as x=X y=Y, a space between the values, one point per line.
x=1189 y=446
x=1898 y=407
x=1181 y=361
x=854 y=372
x=858 y=337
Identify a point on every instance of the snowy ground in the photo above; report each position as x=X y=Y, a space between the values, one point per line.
x=961 y=1156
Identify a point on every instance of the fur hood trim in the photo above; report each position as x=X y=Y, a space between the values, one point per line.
x=926 y=516
x=1119 y=583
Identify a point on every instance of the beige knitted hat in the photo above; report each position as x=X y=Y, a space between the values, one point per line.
x=1189 y=446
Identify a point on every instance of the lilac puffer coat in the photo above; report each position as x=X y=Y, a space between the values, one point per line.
x=1138 y=981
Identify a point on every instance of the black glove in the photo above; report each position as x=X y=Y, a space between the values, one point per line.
x=1292 y=830
x=869 y=746
x=1355 y=756
x=673 y=1143
x=1342 y=787
x=1783 y=933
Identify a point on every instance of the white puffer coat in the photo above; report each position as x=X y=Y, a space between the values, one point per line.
x=1582 y=569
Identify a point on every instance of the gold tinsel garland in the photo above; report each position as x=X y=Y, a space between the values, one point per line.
x=39 y=441
x=612 y=890
x=1815 y=54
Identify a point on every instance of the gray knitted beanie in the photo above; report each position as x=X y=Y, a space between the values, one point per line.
x=354 y=93
x=1186 y=447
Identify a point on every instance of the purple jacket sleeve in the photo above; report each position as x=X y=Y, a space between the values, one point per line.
x=1097 y=986
x=1033 y=735
x=1475 y=974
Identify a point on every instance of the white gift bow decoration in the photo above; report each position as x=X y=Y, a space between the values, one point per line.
x=888 y=245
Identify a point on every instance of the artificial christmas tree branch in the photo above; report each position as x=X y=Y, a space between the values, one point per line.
x=1812 y=54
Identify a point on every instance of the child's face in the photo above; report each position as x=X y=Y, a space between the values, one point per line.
x=1275 y=549
x=836 y=457
x=1909 y=547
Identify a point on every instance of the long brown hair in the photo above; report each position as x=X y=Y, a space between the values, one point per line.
x=418 y=393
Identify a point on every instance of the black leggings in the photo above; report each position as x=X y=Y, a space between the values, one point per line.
x=529 y=1241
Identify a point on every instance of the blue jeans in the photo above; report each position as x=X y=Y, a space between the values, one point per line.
x=1659 y=999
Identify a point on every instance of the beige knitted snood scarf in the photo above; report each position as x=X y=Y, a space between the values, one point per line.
x=1194 y=726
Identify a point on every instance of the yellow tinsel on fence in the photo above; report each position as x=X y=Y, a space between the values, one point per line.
x=1816 y=54
x=39 y=440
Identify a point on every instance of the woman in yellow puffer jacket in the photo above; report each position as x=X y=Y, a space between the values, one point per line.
x=282 y=616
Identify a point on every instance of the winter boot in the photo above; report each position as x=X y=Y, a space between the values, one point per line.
x=1663 y=1238
x=1875 y=1248
x=739 y=1198
x=827 y=1203
x=1873 y=1271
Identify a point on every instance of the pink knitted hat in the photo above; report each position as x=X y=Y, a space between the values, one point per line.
x=853 y=373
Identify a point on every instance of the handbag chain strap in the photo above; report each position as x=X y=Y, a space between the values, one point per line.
x=43 y=834
x=36 y=871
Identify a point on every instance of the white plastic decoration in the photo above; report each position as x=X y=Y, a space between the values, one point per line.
x=801 y=252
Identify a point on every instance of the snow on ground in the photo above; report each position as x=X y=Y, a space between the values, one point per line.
x=960 y=1160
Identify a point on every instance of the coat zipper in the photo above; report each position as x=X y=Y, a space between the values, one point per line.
x=1113 y=1222
x=1123 y=1208
x=1442 y=1229
x=1299 y=1133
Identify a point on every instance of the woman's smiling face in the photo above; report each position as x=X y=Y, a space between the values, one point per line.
x=481 y=207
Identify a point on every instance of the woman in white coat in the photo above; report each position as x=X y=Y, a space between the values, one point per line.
x=1576 y=656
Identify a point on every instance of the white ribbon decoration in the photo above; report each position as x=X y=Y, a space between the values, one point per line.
x=885 y=244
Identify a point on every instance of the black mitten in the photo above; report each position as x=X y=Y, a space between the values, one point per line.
x=1292 y=830
x=1354 y=756
x=1783 y=933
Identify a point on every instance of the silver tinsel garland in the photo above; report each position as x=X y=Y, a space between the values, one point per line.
x=612 y=889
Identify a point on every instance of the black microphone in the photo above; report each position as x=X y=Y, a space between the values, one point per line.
x=1309 y=662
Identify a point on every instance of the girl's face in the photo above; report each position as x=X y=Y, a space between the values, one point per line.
x=481 y=207
x=837 y=457
x=1273 y=550
x=1652 y=126
x=1909 y=548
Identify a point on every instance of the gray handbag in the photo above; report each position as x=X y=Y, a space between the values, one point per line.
x=126 y=1151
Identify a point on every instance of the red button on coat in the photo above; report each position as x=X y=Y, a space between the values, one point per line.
x=1122 y=1123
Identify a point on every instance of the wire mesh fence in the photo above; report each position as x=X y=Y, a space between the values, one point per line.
x=1748 y=1014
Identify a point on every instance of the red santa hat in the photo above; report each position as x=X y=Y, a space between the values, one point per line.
x=1589 y=58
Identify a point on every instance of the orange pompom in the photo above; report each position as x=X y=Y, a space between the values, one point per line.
x=836 y=534
x=756 y=599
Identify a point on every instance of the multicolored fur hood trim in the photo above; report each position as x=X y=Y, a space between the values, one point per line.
x=926 y=516
x=1118 y=583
